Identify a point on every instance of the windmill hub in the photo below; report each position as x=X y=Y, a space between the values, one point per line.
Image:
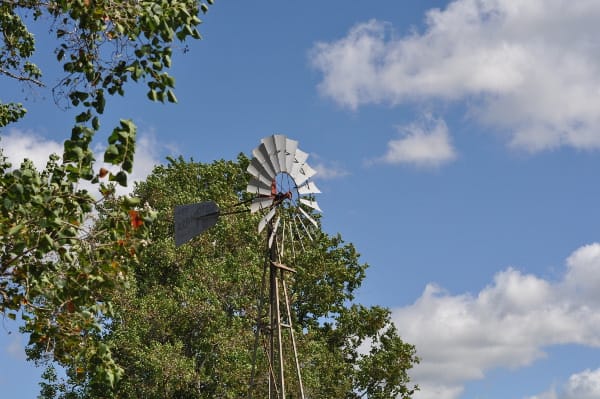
x=279 y=197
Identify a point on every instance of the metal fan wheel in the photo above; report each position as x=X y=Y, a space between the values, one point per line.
x=281 y=177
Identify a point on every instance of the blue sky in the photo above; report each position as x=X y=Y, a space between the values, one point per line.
x=457 y=148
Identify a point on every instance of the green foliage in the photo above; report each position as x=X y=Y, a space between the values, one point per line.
x=56 y=267
x=184 y=328
x=10 y=113
x=60 y=264
x=101 y=45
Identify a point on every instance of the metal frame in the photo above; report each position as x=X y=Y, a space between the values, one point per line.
x=273 y=333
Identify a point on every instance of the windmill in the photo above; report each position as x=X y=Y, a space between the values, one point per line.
x=284 y=193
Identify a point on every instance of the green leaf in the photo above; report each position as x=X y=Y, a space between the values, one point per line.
x=120 y=177
x=152 y=95
x=131 y=201
x=15 y=229
x=171 y=96
x=112 y=149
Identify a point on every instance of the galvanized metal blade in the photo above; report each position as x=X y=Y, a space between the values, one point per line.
x=305 y=173
x=257 y=187
x=274 y=232
x=308 y=188
x=299 y=161
x=258 y=171
x=193 y=219
x=300 y=156
x=260 y=203
x=271 y=147
x=262 y=155
x=269 y=143
x=280 y=152
x=290 y=153
x=311 y=204
x=266 y=219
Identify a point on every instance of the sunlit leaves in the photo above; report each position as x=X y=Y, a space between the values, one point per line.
x=63 y=251
x=101 y=45
x=57 y=269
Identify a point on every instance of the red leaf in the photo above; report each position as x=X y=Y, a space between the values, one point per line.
x=136 y=220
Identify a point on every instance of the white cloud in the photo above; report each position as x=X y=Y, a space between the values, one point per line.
x=18 y=145
x=425 y=144
x=146 y=157
x=527 y=68
x=327 y=170
x=507 y=324
x=584 y=385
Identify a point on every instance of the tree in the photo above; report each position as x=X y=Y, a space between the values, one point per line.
x=57 y=267
x=184 y=329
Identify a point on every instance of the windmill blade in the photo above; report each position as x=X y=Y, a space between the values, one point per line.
x=257 y=170
x=262 y=155
x=280 y=152
x=260 y=203
x=257 y=187
x=308 y=188
x=274 y=232
x=290 y=153
x=193 y=219
x=311 y=204
x=266 y=219
x=270 y=144
x=307 y=216
x=299 y=161
x=300 y=156
x=305 y=173
x=275 y=146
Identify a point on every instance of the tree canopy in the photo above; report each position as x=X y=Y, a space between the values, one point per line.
x=57 y=265
x=185 y=326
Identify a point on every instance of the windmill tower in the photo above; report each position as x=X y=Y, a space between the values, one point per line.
x=283 y=193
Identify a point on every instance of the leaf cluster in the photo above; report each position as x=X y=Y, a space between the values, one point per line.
x=57 y=266
x=101 y=45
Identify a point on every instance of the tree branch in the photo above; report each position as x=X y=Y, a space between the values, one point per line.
x=22 y=78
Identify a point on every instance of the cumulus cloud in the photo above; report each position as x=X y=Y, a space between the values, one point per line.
x=327 y=170
x=584 y=385
x=424 y=144
x=507 y=324
x=18 y=145
x=146 y=157
x=530 y=68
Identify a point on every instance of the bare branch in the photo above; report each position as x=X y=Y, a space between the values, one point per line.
x=21 y=77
